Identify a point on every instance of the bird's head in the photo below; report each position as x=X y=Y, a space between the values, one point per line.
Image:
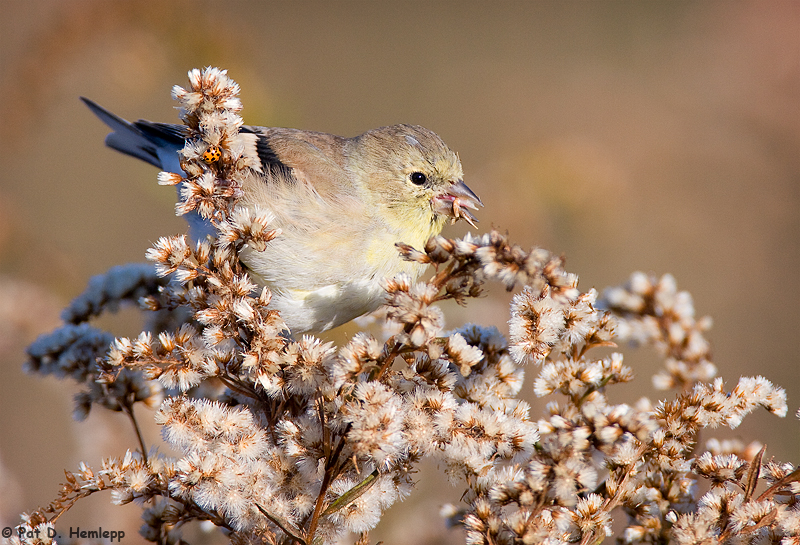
x=412 y=175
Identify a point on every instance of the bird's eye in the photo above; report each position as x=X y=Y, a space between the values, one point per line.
x=418 y=178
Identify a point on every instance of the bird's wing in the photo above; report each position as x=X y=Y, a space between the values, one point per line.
x=303 y=157
x=290 y=155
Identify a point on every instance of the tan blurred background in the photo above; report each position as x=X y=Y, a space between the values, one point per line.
x=655 y=136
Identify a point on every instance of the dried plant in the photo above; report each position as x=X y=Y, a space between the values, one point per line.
x=289 y=440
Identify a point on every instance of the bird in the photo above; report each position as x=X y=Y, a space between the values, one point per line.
x=341 y=204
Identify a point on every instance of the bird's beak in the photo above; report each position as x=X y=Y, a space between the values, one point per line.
x=454 y=202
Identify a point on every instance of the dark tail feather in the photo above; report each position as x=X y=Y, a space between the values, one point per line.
x=141 y=139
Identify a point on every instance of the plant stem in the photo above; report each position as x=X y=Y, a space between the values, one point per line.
x=128 y=409
x=330 y=465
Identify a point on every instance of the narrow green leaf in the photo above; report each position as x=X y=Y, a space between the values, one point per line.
x=352 y=494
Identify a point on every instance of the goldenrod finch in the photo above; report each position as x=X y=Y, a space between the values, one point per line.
x=341 y=203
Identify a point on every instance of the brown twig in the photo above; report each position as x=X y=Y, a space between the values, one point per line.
x=330 y=469
x=128 y=410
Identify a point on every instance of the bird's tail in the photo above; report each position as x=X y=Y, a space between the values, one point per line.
x=155 y=143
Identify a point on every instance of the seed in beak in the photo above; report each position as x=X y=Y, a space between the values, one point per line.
x=455 y=202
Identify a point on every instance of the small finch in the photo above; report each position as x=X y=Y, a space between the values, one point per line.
x=341 y=205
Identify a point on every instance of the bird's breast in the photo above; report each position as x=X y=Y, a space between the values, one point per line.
x=327 y=307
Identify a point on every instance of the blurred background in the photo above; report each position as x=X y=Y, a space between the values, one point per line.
x=654 y=136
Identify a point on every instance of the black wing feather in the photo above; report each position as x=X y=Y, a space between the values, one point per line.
x=269 y=159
